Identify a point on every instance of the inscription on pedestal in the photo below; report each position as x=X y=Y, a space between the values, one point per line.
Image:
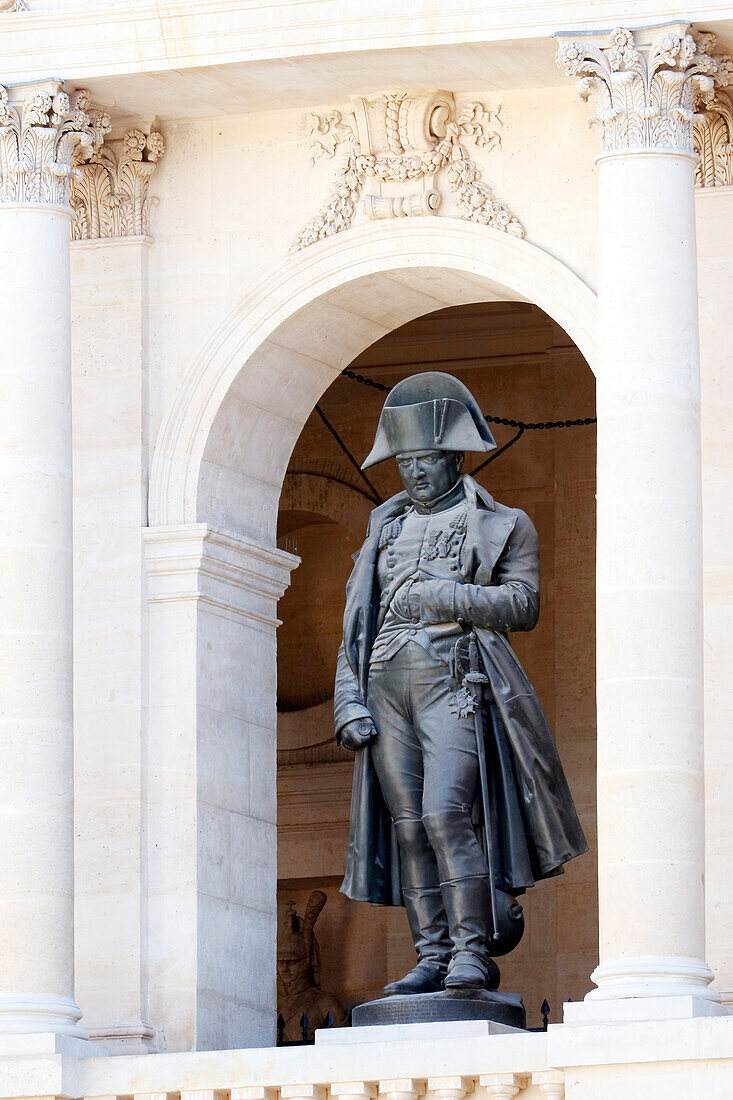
x=426 y=1008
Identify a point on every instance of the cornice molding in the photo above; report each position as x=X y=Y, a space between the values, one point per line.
x=100 y=40
x=234 y=576
x=646 y=86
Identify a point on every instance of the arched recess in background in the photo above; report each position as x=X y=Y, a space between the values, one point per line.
x=519 y=364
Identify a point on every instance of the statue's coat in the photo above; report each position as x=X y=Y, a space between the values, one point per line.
x=535 y=825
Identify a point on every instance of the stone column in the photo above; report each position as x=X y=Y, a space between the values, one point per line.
x=649 y=578
x=40 y=133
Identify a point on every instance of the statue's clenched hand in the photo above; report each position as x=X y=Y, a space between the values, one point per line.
x=355 y=735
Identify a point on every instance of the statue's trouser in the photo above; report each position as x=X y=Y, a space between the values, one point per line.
x=427 y=765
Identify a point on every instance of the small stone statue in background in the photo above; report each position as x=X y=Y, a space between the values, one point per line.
x=298 y=974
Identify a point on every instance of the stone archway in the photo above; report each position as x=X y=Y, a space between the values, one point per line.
x=215 y=575
x=285 y=342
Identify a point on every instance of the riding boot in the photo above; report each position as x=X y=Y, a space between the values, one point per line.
x=426 y=914
x=465 y=887
x=429 y=927
x=469 y=914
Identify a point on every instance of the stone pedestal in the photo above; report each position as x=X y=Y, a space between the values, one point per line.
x=456 y=1030
x=505 y=1009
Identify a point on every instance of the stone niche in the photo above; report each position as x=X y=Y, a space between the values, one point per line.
x=520 y=365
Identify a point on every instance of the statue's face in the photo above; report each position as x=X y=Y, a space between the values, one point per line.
x=295 y=974
x=428 y=475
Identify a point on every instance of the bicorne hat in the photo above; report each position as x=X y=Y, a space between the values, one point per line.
x=429 y=412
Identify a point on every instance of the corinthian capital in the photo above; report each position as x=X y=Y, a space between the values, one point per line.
x=109 y=196
x=43 y=134
x=645 y=91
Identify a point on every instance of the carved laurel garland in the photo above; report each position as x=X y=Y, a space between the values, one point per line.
x=41 y=142
x=713 y=133
x=646 y=98
x=109 y=197
x=405 y=138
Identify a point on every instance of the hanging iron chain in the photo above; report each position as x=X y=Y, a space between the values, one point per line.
x=366 y=381
x=524 y=425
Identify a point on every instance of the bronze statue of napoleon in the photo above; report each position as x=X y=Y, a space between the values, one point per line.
x=459 y=800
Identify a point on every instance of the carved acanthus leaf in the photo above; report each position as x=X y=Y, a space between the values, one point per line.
x=713 y=132
x=645 y=96
x=110 y=195
x=42 y=139
x=398 y=145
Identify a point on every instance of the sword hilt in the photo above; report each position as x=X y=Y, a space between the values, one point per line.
x=475 y=675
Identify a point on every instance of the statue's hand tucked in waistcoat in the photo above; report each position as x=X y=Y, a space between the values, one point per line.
x=433 y=600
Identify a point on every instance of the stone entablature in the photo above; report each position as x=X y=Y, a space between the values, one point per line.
x=645 y=94
x=402 y=147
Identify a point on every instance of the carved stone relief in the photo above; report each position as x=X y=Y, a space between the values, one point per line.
x=713 y=134
x=109 y=196
x=43 y=137
x=399 y=148
x=645 y=97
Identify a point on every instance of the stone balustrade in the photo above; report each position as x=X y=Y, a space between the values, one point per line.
x=484 y=1086
x=458 y=1061
x=445 y=1062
